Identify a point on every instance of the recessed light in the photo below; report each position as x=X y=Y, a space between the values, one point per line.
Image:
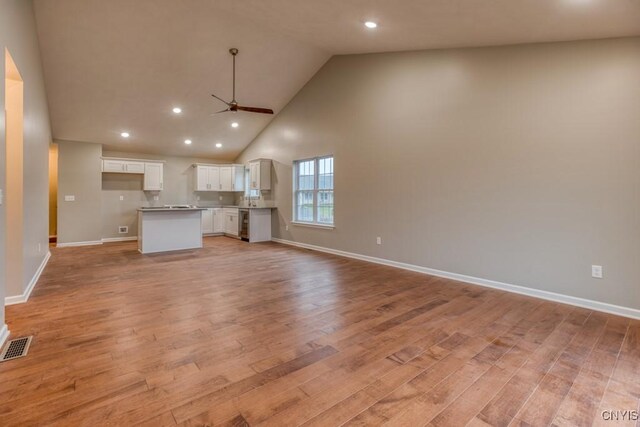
x=187 y=141
x=177 y=110
x=125 y=134
x=234 y=125
x=370 y=24
x=218 y=145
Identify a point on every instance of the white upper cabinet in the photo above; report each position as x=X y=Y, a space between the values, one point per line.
x=260 y=174
x=153 y=176
x=226 y=178
x=152 y=171
x=122 y=166
x=202 y=178
x=207 y=178
x=237 y=183
x=219 y=177
x=134 y=167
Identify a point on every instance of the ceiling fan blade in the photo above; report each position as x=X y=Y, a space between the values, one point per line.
x=255 y=110
x=220 y=99
x=221 y=111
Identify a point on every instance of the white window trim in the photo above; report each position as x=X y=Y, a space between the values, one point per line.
x=313 y=225
x=316 y=173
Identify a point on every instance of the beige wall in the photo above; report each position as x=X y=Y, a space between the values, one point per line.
x=79 y=175
x=518 y=164
x=18 y=35
x=97 y=211
x=178 y=189
x=13 y=201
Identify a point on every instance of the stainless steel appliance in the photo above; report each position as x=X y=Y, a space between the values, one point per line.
x=243 y=215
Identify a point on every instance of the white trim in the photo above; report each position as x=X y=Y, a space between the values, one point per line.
x=17 y=299
x=4 y=334
x=119 y=239
x=313 y=225
x=72 y=244
x=537 y=293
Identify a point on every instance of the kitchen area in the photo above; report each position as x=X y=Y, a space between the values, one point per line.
x=177 y=227
x=165 y=203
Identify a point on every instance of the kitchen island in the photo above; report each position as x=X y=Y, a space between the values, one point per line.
x=163 y=229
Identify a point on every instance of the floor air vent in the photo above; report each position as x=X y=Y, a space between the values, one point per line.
x=15 y=348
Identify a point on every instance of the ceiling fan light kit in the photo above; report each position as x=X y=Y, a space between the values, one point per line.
x=233 y=105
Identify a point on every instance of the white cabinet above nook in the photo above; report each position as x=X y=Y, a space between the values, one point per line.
x=151 y=170
x=260 y=174
x=218 y=177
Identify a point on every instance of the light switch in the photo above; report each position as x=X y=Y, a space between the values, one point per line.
x=121 y=198
x=69 y=198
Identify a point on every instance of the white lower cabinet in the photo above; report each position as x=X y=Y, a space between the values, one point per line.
x=207 y=221
x=213 y=221
x=218 y=220
x=231 y=222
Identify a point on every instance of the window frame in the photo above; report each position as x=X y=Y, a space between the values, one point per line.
x=316 y=190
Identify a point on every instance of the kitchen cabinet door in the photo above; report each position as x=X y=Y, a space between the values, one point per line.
x=207 y=221
x=226 y=178
x=231 y=224
x=113 y=166
x=153 y=176
x=218 y=221
x=238 y=178
x=214 y=178
x=134 y=167
x=202 y=178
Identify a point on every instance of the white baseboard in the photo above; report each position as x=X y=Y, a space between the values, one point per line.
x=18 y=299
x=4 y=334
x=546 y=295
x=71 y=244
x=119 y=239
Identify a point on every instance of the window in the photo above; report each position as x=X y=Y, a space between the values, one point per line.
x=313 y=191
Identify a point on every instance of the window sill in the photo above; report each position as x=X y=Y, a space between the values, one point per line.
x=313 y=225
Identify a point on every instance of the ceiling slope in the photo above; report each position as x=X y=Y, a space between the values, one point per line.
x=122 y=65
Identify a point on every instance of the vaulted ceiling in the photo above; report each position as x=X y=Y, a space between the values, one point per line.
x=122 y=65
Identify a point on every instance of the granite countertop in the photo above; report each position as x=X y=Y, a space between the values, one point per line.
x=168 y=209
x=238 y=207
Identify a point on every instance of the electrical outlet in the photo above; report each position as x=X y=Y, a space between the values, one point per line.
x=156 y=198
x=286 y=227
x=198 y=198
x=39 y=247
x=220 y=198
x=596 y=271
x=379 y=240
x=70 y=198
x=123 y=229
x=121 y=198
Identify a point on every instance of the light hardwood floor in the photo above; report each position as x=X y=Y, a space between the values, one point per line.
x=265 y=334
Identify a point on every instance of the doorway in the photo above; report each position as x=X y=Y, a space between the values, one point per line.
x=53 y=194
x=14 y=133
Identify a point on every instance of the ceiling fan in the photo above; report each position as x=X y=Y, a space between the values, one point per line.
x=233 y=105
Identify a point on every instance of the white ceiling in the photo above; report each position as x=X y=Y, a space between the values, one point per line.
x=122 y=65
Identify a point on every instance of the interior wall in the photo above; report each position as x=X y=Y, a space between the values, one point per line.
x=79 y=167
x=53 y=190
x=18 y=35
x=518 y=164
x=13 y=199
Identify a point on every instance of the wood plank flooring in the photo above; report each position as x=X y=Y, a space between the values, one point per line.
x=244 y=334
